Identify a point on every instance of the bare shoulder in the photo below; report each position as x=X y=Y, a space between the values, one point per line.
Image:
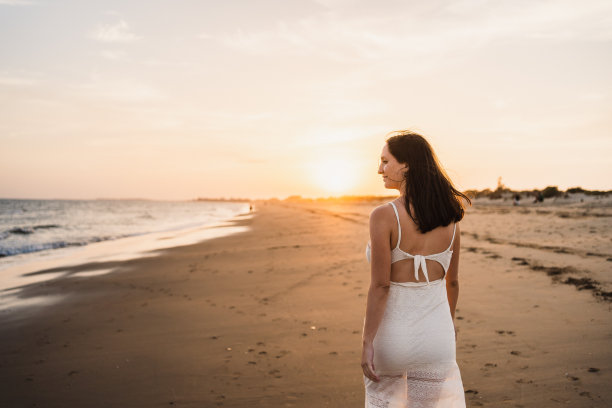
x=382 y=213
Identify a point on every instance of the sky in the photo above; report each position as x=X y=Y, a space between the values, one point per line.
x=176 y=100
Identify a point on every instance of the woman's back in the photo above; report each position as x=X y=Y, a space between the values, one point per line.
x=437 y=242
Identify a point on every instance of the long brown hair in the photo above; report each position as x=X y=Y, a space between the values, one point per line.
x=436 y=202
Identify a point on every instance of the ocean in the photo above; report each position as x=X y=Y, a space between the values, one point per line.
x=34 y=228
x=42 y=240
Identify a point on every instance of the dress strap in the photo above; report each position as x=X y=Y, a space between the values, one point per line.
x=453 y=239
x=399 y=227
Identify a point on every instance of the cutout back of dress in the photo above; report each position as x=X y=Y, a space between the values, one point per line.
x=443 y=258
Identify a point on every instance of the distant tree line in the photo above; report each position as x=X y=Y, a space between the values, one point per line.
x=548 y=192
x=500 y=192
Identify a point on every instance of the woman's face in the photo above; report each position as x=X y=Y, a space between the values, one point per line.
x=391 y=170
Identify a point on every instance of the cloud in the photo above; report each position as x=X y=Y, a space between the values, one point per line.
x=406 y=30
x=9 y=80
x=17 y=3
x=115 y=33
x=112 y=54
x=120 y=90
x=204 y=36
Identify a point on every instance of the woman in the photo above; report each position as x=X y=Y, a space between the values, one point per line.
x=408 y=356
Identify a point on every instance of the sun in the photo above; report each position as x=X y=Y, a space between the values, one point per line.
x=334 y=175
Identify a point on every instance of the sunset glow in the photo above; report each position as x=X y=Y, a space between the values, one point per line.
x=334 y=175
x=228 y=99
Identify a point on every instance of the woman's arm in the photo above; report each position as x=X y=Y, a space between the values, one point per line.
x=380 y=266
x=452 y=276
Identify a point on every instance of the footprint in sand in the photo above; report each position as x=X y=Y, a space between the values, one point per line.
x=515 y=353
x=275 y=373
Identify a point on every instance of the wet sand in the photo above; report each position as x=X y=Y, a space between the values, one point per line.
x=272 y=317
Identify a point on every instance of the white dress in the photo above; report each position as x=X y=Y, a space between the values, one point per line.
x=414 y=347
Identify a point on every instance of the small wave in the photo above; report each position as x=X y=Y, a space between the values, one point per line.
x=25 y=249
x=46 y=226
x=28 y=230
x=38 y=247
x=21 y=230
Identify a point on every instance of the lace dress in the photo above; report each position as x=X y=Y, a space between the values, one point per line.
x=414 y=347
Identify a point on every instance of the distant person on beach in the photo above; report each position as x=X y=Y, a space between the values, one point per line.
x=408 y=355
x=516 y=200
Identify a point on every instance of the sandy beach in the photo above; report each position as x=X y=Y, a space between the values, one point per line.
x=272 y=316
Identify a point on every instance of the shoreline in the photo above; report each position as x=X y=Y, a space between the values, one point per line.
x=56 y=263
x=272 y=317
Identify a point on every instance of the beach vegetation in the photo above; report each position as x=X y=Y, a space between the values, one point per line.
x=500 y=193
x=551 y=191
